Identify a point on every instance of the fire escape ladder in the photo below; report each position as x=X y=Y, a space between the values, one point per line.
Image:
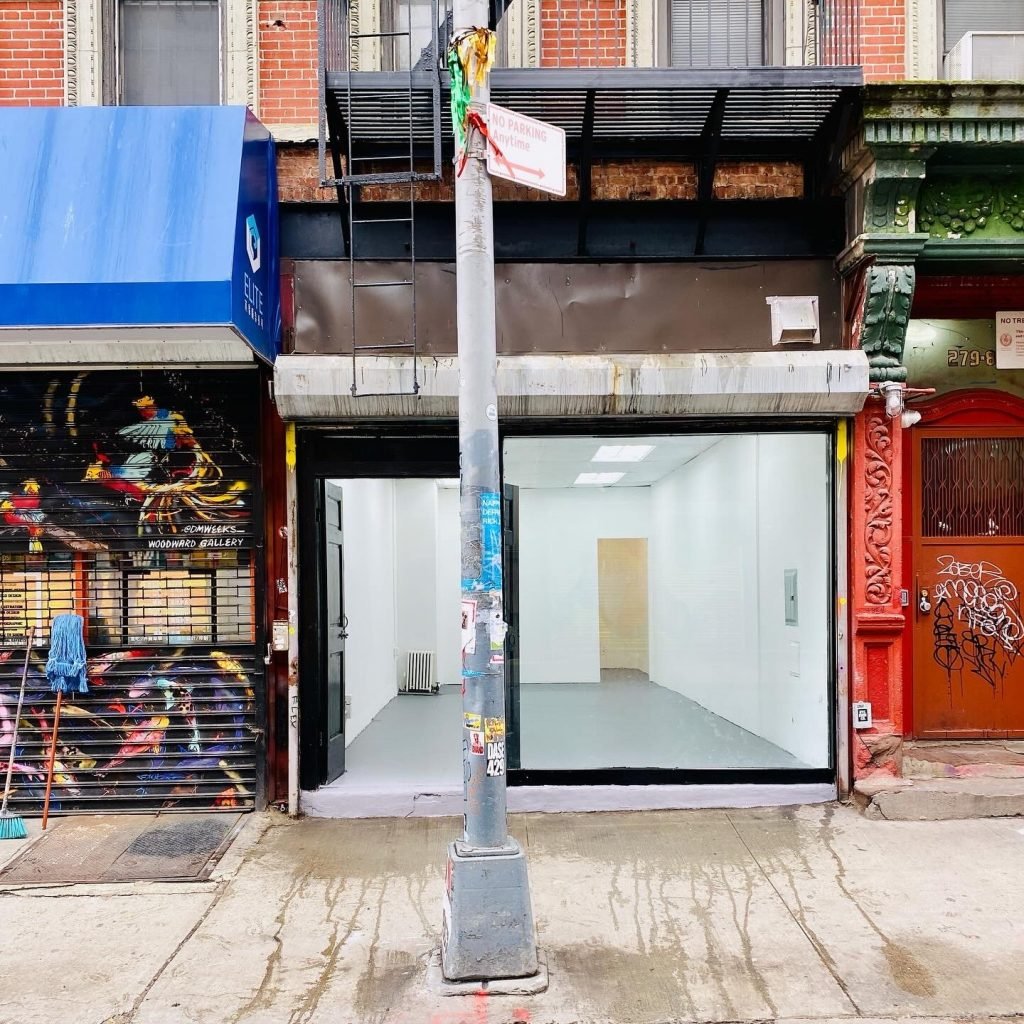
x=373 y=125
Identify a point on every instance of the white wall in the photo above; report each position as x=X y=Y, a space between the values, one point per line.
x=368 y=523
x=415 y=569
x=402 y=589
x=558 y=598
x=793 y=504
x=448 y=601
x=703 y=582
x=725 y=528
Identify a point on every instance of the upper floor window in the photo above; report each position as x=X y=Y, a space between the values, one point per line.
x=168 y=52
x=716 y=33
x=413 y=22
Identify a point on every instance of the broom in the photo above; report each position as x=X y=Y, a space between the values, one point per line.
x=12 y=826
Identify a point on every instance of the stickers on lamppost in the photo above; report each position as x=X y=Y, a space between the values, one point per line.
x=1010 y=340
x=525 y=150
x=469 y=627
x=494 y=737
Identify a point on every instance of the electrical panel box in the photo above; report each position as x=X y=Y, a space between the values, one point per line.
x=862 y=714
x=792 y=602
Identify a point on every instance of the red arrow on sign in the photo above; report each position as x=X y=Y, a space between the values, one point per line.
x=535 y=171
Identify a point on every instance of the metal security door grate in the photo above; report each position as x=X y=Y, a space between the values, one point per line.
x=132 y=499
x=972 y=487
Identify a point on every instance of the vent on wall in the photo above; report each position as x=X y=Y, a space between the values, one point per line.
x=987 y=56
x=419 y=673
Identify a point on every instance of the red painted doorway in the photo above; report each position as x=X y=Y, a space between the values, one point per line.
x=967 y=569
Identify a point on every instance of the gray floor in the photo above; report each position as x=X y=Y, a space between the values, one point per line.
x=417 y=738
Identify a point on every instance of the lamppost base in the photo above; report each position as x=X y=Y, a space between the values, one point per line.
x=487 y=931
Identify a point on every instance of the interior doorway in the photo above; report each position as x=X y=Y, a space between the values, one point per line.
x=390 y=630
x=622 y=607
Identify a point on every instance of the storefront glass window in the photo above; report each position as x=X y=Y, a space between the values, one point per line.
x=673 y=600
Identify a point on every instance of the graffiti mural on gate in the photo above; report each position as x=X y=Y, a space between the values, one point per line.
x=167 y=736
x=977 y=620
x=128 y=497
x=126 y=457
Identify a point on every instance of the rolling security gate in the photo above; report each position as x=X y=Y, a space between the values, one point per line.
x=131 y=498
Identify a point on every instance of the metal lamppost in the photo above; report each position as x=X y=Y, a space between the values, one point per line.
x=488 y=930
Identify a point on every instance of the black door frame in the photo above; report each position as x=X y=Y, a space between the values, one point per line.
x=388 y=450
x=430 y=449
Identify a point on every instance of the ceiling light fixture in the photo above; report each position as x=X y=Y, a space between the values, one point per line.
x=597 y=479
x=623 y=452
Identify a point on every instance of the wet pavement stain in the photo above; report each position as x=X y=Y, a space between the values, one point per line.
x=907 y=971
x=623 y=985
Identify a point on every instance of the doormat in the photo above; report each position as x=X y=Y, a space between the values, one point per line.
x=127 y=848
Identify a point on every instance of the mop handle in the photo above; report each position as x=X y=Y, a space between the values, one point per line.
x=17 y=719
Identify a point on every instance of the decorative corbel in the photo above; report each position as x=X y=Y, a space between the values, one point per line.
x=888 y=294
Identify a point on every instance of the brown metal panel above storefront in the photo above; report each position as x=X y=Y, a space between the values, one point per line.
x=570 y=308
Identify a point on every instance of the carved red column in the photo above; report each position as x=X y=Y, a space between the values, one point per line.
x=876 y=559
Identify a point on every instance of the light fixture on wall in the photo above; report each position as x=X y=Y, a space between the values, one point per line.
x=893 y=395
x=448 y=483
x=597 y=479
x=622 y=452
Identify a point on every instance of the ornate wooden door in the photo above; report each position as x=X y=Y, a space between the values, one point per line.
x=968 y=527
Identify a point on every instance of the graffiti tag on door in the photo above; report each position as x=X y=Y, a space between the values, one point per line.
x=977 y=623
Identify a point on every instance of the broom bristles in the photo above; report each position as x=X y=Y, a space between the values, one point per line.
x=12 y=826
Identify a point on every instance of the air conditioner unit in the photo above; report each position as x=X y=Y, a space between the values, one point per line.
x=986 y=57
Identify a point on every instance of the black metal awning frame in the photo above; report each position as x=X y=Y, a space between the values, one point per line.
x=800 y=114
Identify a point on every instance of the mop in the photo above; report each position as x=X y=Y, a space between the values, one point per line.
x=12 y=826
x=65 y=669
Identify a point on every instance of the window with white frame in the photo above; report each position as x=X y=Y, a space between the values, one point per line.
x=168 y=52
x=716 y=33
x=161 y=52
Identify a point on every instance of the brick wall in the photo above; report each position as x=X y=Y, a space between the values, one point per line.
x=883 y=40
x=739 y=179
x=584 y=33
x=288 y=62
x=31 y=54
x=610 y=179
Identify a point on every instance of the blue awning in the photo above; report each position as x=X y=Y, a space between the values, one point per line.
x=137 y=235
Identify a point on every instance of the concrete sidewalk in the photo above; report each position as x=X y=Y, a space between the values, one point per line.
x=799 y=914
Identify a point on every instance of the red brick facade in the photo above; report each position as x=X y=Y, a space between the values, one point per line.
x=883 y=40
x=583 y=33
x=31 y=54
x=288 y=62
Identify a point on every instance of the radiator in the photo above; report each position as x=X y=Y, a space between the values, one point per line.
x=419 y=673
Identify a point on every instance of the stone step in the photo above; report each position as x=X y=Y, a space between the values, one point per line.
x=943 y=759
x=939 y=799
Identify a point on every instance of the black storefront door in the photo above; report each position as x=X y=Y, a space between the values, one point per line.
x=335 y=629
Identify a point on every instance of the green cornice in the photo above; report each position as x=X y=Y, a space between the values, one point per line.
x=937 y=102
x=970 y=213
x=947 y=114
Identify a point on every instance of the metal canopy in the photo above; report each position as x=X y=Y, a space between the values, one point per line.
x=651 y=108
x=161 y=237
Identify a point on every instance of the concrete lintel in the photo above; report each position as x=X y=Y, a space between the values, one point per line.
x=831 y=383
